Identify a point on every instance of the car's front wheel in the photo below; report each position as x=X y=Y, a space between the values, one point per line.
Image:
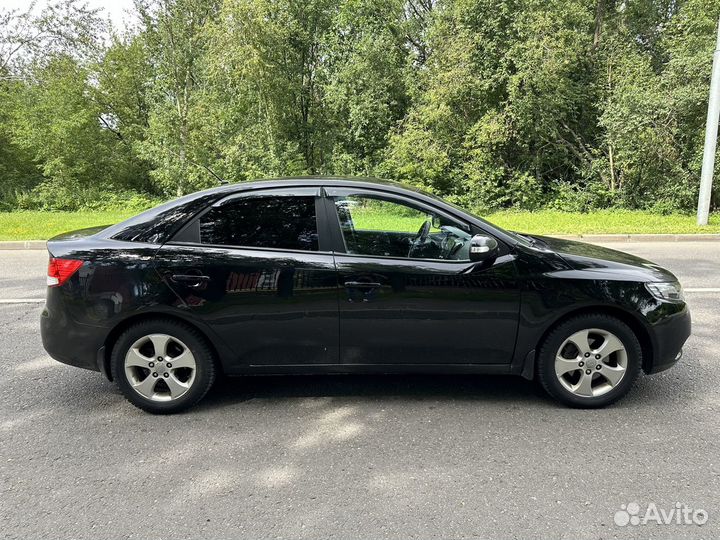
x=589 y=361
x=162 y=366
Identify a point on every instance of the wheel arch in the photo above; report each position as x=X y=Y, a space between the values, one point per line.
x=118 y=329
x=638 y=328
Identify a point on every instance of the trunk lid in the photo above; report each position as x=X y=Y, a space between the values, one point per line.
x=60 y=244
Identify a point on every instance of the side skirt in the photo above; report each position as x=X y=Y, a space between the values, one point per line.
x=498 y=369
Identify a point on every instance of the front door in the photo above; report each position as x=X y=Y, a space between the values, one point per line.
x=251 y=267
x=409 y=293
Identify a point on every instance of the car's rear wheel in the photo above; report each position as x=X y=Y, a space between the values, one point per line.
x=589 y=361
x=162 y=366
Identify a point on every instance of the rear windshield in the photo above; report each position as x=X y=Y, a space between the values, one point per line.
x=157 y=225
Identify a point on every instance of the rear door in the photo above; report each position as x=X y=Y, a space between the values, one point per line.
x=255 y=269
x=408 y=291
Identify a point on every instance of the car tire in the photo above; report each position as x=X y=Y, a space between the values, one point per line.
x=163 y=366
x=573 y=366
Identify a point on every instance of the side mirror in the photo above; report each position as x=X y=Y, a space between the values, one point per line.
x=483 y=248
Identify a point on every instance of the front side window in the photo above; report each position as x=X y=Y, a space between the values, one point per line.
x=378 y=226
x=267 y=221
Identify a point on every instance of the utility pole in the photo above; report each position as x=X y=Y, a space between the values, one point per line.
x=711 y=131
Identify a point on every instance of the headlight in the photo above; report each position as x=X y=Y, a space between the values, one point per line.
x=671 y=291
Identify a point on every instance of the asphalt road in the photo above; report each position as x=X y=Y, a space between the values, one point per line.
x=356 y=456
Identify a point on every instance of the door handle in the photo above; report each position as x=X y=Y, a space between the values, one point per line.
x=362 y=285
x=193 y=280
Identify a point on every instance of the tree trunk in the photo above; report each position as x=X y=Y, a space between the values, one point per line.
x=611 y=154
x=599 y=16
x=613 y=180
x=182 y=155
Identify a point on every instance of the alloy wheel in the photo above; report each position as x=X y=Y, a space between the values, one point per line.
x=591 y=362
x=160 y=367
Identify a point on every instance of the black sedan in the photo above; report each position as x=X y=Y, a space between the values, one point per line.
x=331 y=275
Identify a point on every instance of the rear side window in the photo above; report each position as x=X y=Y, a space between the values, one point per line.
x=155 y=226
x=281 y=222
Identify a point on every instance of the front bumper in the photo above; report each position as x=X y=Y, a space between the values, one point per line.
x=669 y=336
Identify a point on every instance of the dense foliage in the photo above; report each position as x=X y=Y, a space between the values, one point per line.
x=564 y=104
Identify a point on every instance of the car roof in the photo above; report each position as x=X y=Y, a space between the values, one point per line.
x=335 y=181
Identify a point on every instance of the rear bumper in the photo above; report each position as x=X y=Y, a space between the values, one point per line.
x=669 y=336
x=70 y=342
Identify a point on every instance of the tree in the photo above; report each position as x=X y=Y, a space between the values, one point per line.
x=174 y=31
x=49 y=125
x=573 y=104
x=368 y=57
x=18 y=172
x=58 y=124
x=267 y=72
x=63 y=27
x=123 y=81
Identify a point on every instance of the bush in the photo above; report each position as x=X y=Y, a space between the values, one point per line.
x=571 y=198
x=49 y=196
x=525 y=192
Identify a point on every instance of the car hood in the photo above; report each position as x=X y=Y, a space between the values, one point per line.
x=606 y=262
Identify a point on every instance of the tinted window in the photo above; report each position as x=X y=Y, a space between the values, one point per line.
x=282 y=222
x=157 y=224
x=373 y=225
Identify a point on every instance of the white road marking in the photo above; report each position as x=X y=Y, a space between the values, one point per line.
x=702 y=289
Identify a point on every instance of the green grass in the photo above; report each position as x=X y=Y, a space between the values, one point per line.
x=43 y=225
x=601 y=222
x=36 y=225
x=551 y=222
x=371 y=220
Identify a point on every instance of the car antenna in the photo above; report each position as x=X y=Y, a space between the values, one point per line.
x=221 y=180
x=208 y=169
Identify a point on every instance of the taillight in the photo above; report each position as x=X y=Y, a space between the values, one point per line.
x=60 y=270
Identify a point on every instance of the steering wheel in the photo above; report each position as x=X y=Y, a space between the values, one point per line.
x=420 y=237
